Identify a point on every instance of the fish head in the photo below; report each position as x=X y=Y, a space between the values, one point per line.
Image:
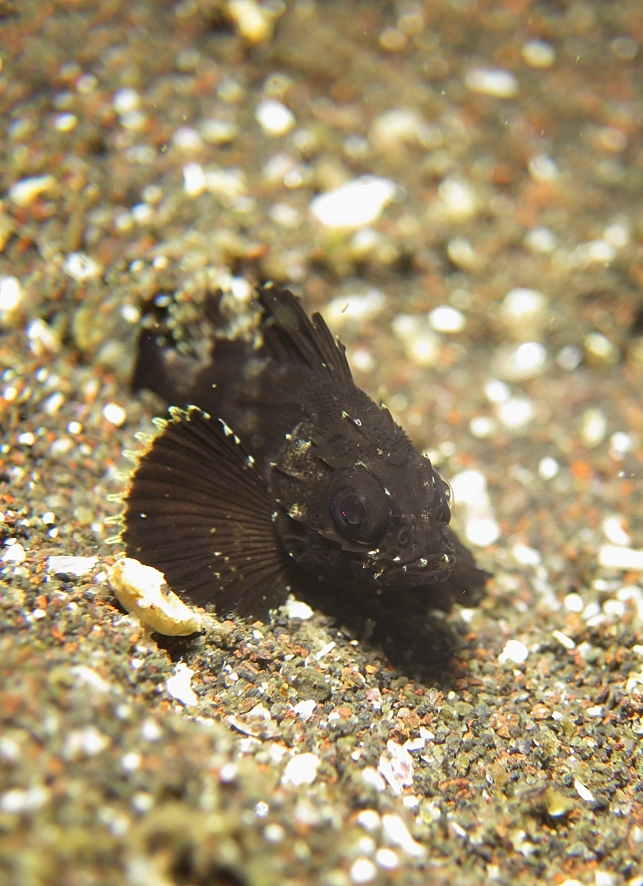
x=362 y=506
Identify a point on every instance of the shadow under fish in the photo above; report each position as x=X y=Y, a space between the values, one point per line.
x=275 y=473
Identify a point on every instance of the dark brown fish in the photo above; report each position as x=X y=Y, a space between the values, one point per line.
x=279 y=472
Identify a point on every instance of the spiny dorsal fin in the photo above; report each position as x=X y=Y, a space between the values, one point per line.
x=290 y=336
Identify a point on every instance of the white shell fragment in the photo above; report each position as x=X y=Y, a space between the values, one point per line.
x=71 y=565
x=514 y=651
x=142 y=591
x=180 y=685
x=301 y=769
x=353 y=205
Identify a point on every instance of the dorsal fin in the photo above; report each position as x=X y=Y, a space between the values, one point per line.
x=290 y=336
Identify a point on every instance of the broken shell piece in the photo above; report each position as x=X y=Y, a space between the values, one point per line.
x=143 y=592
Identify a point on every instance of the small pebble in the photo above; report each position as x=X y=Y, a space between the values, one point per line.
x=515 y=363
x=114 y=414
x=494 y=82
x=548 y=468
x=524 y=312
x=514 y=651
x=593 y=427
x=24 y=193
x=618 y=557
x=612 y=526
x=11 y=298
x=274 y=117
x=538 y=54
x=363 y=871
x=516 y=413
x=345 y=308
x=600 y=351
x=447 y=319
x=253 y=21
x=353 y=205
x=458 y=198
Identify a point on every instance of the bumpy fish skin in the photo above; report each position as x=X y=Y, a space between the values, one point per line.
x=353 y=504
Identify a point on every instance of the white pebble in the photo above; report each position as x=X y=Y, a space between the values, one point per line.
x=519 y=362
x=11 y=295
x=114 y=414
x=301 y=769
x=482 y=426
x=386 y=859
x=65 y=122
x=304 y=709
x=274 y=117
x=27 y=439
x=187 y=139
x=593 y=428
x=548 y=468
x=363 y=870
x=458 y=198
x=524 y=307
x=17 y=802
x=497 y=391
x=398 y=833
x=514 y=651
x=194 y=180
x=614 y=532
x=495 y=82
x=125 y=101
x=564 y=640
x=569 y=358
x=369 y=819
x=253 y=22
x=297 y=609
x=543 y=169
x=540 y=240
x=526 y=556
x=618 y=557
x=28 y=190
x=447 y=319
x=618 y=234
x=70 y=565
x=373 y=779
x=481 y=530
x=353 y=205
x=42 y=337
x=538 y=54
x=346 y=308
x=14 y=553
x=583 y=792
x=516 y=412
x=600 y=349
x=81 y=267
x=574 y=603
x=469 y=487
x=218 y=132
x=462 y=253
x=180 y=685
x=594 y=252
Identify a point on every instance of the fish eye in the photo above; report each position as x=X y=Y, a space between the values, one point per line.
x=404 y=536
x=359 y=509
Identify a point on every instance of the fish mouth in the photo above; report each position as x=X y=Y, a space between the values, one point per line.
x=419 y=571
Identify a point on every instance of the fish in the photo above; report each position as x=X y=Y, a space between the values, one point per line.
x=275 y=473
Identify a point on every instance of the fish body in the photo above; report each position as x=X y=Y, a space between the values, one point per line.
x=281 y=468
